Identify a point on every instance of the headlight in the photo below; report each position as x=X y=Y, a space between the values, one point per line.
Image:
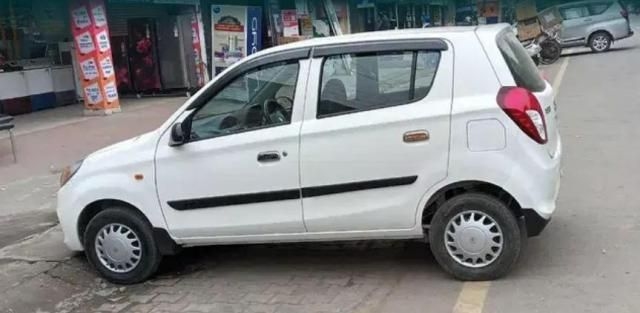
x=68 y=172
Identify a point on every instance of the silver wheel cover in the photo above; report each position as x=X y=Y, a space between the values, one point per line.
x=473 y=239
x=118 y=248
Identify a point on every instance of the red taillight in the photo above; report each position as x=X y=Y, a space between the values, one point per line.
x=523 y=108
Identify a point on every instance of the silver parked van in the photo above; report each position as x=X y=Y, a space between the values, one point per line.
x=595 y=23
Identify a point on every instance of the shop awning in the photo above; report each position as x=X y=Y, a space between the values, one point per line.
x=190 y=2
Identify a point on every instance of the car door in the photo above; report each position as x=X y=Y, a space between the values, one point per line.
x=238 y=175
x=376 y=133
x=575 y=21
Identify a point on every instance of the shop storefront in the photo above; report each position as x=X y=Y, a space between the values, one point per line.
x=159 y=46
x=399 y=14
x=36 y=69
x=58 y=52
x=235 y=29
x=156 y=45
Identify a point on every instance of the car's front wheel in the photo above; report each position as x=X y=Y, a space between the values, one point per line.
x=119 y=243
x=475 y=237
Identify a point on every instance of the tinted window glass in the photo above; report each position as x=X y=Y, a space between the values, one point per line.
x=522 y=68
x=598 y=8
x=574 y=12
x=259 y=98
x=357 y=82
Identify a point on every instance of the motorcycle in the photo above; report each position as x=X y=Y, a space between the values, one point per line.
x=544 y=49
x=550 y=48
x=533 y=49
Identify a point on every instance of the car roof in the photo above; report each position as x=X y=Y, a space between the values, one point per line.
x=570 y=4
x=414 y=33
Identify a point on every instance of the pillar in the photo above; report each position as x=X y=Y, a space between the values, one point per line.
x=93 y=51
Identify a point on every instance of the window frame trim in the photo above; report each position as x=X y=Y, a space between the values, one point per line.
x=226 y=78
x=427 y=44
x=414 y=68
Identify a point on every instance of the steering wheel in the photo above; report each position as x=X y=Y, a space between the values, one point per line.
x=274 y=112
x=285 y=102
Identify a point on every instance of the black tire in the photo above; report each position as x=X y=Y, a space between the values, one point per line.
x=600 y=42
x=150 y=255
x=551 y=51
x=513 y=236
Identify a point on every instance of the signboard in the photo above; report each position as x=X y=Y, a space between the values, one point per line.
x=290 y=27
x=84 y=42
x=364 y=4
x=254 y=31
x=107 y=67
x=93 y=52
x=80 y=17
x=92 y=94
x=188 y=2
x=99 y=16
x=103 y=41
x=89 y=69
x=236 y=32
x=197 y=50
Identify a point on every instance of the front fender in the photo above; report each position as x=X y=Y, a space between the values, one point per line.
x=81 y=192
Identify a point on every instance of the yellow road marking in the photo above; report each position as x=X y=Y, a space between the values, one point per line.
x=557 y=81
x=472 y=297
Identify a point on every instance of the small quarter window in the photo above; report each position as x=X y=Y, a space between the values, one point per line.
x=524 y=71
x=366 y=81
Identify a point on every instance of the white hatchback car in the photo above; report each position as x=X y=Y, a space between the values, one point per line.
x=447 y=134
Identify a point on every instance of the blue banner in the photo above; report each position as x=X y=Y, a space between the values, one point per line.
x=254 y=30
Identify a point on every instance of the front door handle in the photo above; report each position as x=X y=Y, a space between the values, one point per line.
x=269 y=156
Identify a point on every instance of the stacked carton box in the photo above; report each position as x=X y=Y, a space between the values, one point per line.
x=527 y=16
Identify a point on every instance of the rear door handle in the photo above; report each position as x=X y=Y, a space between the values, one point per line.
x=416 y=136
x=268 y=156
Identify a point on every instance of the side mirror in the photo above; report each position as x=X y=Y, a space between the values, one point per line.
x=178 y=135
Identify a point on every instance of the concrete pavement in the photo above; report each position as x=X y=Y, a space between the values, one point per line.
x=586 y=261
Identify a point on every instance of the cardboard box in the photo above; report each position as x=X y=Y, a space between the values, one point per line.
x=550 y=18
x=528 y=29
x=526 y=10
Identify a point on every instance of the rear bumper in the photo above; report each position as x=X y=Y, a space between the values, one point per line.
x=533 y=222
x=629 y=34
x=536 y=189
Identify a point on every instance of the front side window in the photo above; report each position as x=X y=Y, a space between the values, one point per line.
x=259 y=98
x=365 y=81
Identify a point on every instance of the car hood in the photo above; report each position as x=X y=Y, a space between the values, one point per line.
x=124 y=151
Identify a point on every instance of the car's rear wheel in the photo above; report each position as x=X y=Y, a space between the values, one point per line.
x=119 y=243
x=475 y=237
x=600 y=42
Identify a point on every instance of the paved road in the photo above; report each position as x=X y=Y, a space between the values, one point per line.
x=586 y=261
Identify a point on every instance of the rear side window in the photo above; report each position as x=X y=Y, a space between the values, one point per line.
x=599 y=8
x=570 y=13
x=522 y=68
x=367 y=81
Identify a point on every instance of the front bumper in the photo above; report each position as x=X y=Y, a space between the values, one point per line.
x=68 y=217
